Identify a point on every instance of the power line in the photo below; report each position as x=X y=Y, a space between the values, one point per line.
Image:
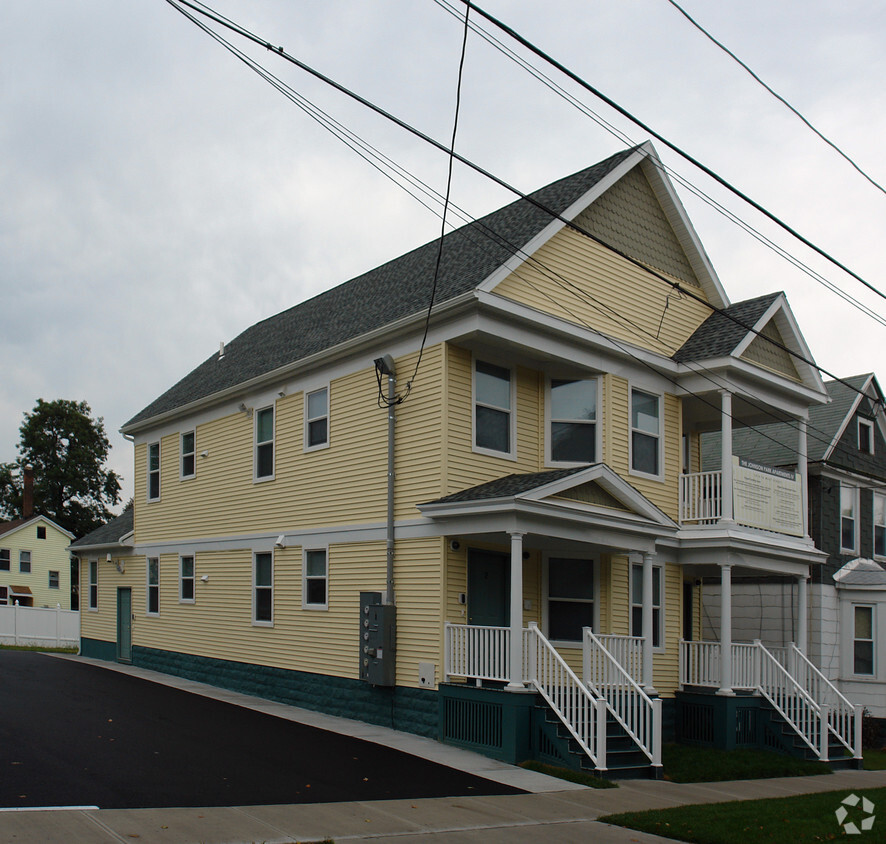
x=682 y=153
x=278 y=50
x=775 y=94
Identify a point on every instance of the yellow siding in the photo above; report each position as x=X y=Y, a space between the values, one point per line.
x=603 y=302
x=666 y=671
x=345 y=483
x=47 y=555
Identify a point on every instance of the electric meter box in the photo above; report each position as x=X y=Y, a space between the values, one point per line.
x=378 y=629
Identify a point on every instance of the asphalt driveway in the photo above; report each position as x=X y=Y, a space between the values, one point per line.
x=73 y=734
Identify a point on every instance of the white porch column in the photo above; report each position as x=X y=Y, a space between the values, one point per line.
x=803 y=471
x=515 y=671
x=802 y=614
x=726 y=454
x=725 y=630
x=647 y=622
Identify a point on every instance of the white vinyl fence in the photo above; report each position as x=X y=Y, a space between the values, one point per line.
x=39 y=626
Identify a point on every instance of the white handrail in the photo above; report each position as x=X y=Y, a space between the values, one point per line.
x=699 y=663
x=583 y=714
x=843 y=715
x=701 y=497
x=626 y=650
x=638 y=714
x=477 y=653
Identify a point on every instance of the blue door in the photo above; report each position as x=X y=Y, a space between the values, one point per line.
x=124 y=625
x=489 y=578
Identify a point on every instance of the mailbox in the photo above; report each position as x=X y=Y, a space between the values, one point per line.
x=378 y=628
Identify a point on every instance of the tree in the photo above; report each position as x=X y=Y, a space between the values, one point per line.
x=68 y=450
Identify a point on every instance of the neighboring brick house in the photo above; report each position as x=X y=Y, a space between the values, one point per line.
x=847 y=518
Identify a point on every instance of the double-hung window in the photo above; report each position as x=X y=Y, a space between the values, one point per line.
x=4 y=559
x=848 y=518
x=93 y=584
x=317 y=418
x=153 y=471
x=263 y=589
x=24 y=562
x=637 y=604
x=264 y=443
x=153 y=586
x=645 y=433
x=186 y=579
x=570 y=598
x=53 y=579
x=493 y=415
x=866 y=436
x=316 y=577
x=573 y=421
x=188 y=453
x=863 y=640
x=879 y=524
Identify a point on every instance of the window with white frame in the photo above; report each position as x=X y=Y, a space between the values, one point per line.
x=41 y=532
x=186 y=579
x=863 y=640
x=263 y=589
x=264 y=443
x=570 y=597
x=637 y=603
x=316 y=579
x=317 y=418
x=93 y=584
x=188 y=453
x=645 y=433
x=153 y=471
x=493 y=417
x=24 y=562
x=4 y=559
x=53 y=579
x=573 y=420
x=848 y=518
x=879 y=524
x=152 y=602
x=866 y=436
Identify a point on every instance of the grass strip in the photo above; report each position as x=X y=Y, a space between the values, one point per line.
x=687 y=763
x=875 y=760
x=783 y=820
x=580 y=777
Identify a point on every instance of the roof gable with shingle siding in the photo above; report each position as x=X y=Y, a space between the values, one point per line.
x=393 y=291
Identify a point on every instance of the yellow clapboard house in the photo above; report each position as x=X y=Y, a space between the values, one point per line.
x=486 y=525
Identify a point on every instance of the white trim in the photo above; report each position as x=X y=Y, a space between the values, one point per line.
x=550 y=420
x=256 y=479
x=659 y=397
x=662 y=617
x=149 y=471
x=853 y=606
x=304 y=578
x=192 y=578
x=869 y=424
x=31 y=521
x=308 y=419
x=256 y=586
x=149 y=586
x=856 y=518
x=511 y=454
x=846 y=419
x=182 y=454
x=594 y=560
x=30 y=561
x=90 y=606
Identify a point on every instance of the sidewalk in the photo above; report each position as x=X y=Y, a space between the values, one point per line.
x=552 y=811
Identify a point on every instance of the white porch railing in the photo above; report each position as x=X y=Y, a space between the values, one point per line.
x=582 y=712
x=701 y=497
x=477 y=653
x=626 y=650
x=804 y=697
x=608 y=677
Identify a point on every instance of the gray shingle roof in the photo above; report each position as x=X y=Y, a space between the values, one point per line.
x=390 y=292
x=109 y=533
x=776 y=444
x=508 y=486
x=861 y=573
x=718 y=335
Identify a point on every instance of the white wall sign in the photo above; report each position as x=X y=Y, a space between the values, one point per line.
x=767 y=498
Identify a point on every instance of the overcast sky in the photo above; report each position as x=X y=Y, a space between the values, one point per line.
x=157 y=197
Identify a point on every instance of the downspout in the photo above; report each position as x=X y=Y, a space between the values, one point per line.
x=385 y=366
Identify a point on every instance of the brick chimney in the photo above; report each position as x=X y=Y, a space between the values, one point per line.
x=28 y=493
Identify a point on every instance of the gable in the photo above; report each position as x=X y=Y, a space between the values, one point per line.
x=592 y=493
x=765 y=353
x=629 y=217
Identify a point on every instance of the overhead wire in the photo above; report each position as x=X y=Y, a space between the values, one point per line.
x=525 y=42
x=623 y=137
x=775 y=94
